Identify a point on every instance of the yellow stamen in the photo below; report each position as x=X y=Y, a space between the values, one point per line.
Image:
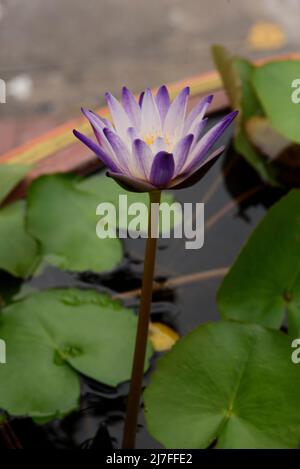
x=150 y=139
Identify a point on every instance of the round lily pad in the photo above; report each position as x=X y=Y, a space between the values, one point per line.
x=226 y=384
x=51 y=336
x=10 y=176
x=18 y=250
x=274 y=85
x=236 y=75
x=63 y=219
x=105 y=189
x=264 y=281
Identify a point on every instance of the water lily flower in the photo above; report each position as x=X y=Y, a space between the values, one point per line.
x=155 y=144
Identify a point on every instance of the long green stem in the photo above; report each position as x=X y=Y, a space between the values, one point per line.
x=135 y=390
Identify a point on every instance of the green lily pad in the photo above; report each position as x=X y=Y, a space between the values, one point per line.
x=293 y=308
x=51 y=336
x=237 y=75
x=265 y=278
x=105 y=189
x=244 y=147
x=10 y=176
x=226 y=383
x=63 y=219
x=273 y=85
x=224 y=63
x=249 y=103
x=18 y=250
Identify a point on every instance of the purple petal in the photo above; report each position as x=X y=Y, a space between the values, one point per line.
x=197 y=112
x=162 y=169
x=94 y=120
x=97 y=126
x=119 y=148
x=105 y=122
x=143 y=157
x=141 y=98
x=163 y=101
x=119 y=116
x=197 y=128
x=181 y=151
x=104 y=157
x=206 y=142
x=131 y=107
x=190 y=178
x=150 y=122
x=174 y=120
x=131 y=183
x=158 y=145
x=197 y=131
x=132 y=133
x=204 y=161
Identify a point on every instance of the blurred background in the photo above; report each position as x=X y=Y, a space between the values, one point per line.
x=57 y=55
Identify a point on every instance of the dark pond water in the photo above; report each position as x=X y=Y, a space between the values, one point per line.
x=235 y=203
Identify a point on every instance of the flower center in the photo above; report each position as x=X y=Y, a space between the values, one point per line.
x=150 y=139
x=167 y=142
